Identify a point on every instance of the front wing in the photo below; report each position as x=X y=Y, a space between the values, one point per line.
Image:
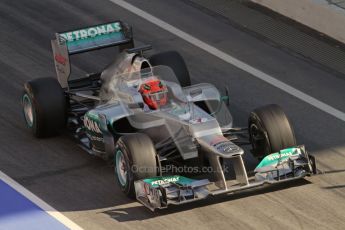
x=286 y=165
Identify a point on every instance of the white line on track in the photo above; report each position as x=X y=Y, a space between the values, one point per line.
x=231 y=60
x=40 y=203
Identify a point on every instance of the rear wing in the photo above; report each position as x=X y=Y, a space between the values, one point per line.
x=87 y=39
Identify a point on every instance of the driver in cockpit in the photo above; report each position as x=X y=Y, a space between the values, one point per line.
x=154 y=93
x=155 y=96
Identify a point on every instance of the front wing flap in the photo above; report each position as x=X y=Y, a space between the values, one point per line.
x=287 y=163
x=159 y=192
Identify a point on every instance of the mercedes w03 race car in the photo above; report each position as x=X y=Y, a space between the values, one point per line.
x=143 y=113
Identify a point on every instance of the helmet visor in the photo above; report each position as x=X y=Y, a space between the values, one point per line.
x=157 y=96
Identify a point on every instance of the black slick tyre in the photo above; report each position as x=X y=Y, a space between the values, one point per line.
x=176 y=62
x=134 y=159
x=270 y=130
x=44 y=106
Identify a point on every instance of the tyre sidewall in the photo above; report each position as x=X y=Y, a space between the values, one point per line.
x=32 y=126
x=35 y=129
x=274 y=127
x=128 y=188
x=265 y=147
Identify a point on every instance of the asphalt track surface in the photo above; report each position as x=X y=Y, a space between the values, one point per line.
x=82 y=187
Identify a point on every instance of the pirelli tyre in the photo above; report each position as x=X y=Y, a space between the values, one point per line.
x=44 y=106
x=135 y=159
x=176 y=62
x=270 y=130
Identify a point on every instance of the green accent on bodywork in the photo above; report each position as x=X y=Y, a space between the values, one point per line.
x=224 y=98
x=161 y=180
x=92 y=116
x=92 y=124
x=99 y=38
x=274 y=158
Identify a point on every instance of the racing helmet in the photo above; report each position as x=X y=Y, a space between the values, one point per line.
x=154 y=93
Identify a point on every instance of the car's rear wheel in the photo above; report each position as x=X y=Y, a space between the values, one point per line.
x=44 y=106
x=270 y=130
x=176 y=62
x=135 y=159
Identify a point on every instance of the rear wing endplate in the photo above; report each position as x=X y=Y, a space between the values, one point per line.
x=87 y=39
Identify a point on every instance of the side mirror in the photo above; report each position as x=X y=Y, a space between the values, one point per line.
x=226 y=97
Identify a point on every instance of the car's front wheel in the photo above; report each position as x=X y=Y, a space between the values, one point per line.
x=135 y=159
x=270 y=130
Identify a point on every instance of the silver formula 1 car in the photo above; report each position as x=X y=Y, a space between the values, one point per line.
x=159 y=130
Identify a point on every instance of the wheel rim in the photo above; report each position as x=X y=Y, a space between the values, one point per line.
x=28 y=110
x=121 y=168
x=255 y=136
